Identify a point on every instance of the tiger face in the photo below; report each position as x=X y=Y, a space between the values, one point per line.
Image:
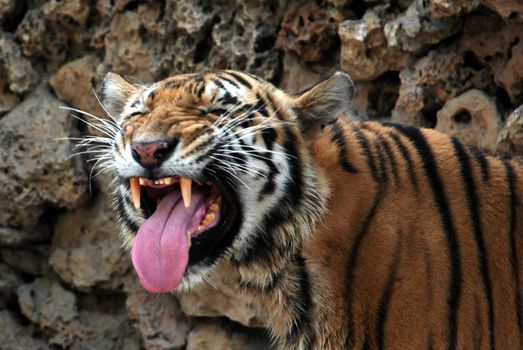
x=212 y=166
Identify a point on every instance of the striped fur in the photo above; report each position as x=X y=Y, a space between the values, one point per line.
x=358 y=235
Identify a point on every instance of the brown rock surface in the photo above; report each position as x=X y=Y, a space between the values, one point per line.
x=510 y=139
x=75 y=82
x=384 y=41
x=309 y=31
x=365 y=53
x=160 y=321
x=497 y=45
x=221 y=336
x=434 y=79
x=85 y=250
x=21 y=77
x=16 y=337
x=34 y=166
x=473 y=118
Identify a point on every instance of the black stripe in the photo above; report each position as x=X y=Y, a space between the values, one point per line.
x=483 y=164
x=120 y=206
x=382 y=168
x=406 y=157
x=263 y=244
x=383 y=306
x=473 y=207
x=260 y=106
x=364 y=144
x=240 y=79
x=228 y=99
x=233 y=83
x=338 y=137
x=301 y=303
x=438 y=191
x=219 y=84
x=392 y=160
x=362 y=232
x=274 y=282
x=514 y=259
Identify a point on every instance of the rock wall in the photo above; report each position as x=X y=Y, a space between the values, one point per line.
x=65 y=282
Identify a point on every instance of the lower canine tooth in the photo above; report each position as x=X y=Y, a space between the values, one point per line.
x=135 y=191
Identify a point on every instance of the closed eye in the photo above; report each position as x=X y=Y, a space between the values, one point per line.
x=135 y=113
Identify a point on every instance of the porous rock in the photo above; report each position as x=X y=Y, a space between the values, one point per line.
x=128 y=50
x=159 y=319
x=36 y=38
x=434 y=79
x=232 y=34
x=473 y=118
x=55 y=310
x=9 y=282
x=447 y=8
x=506 y=8
x=222 y=336
x=31 y=260
x=45 y=302
x=35 y=167
x=309 y=31
x=7 y=7
x=14 y=336
x=21 y=77
x=497 y=44
x=365 y=53
x=14 y=237
x=75 y=83
x=383 y=41
x=86 y=250
x=74 y=10
x=510 y=140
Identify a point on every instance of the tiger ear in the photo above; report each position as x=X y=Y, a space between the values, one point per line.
x=323 y=103
x=115 y=93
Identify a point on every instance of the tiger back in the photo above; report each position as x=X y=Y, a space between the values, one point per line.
x=350 y=234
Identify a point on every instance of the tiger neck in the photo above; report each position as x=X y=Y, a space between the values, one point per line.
x=272 y=273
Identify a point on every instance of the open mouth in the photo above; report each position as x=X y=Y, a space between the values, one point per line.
x=188 y=221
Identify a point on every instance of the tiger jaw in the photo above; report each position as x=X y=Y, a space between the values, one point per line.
x=188 y=222
x=157 y=189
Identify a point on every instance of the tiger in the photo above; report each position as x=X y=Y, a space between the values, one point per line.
x=350 y=234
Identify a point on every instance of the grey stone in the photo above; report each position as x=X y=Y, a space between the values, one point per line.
x=14 y=336
x=159 y=319
x=222 y=336
x=21 y=76
x=473 y=118
x=86 y=250
x=35 y=167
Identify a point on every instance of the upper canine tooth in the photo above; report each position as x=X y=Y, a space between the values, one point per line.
x=135 y=191
x=168 y=180
x=186 y=187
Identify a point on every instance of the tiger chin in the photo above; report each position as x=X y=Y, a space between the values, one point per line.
x=350 y=234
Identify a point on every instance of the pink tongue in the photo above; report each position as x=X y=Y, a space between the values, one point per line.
x=160 y=252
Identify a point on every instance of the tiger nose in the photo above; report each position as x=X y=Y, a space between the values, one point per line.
x=151 y=154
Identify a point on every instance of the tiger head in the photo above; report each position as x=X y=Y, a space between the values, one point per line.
x=216 y=165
